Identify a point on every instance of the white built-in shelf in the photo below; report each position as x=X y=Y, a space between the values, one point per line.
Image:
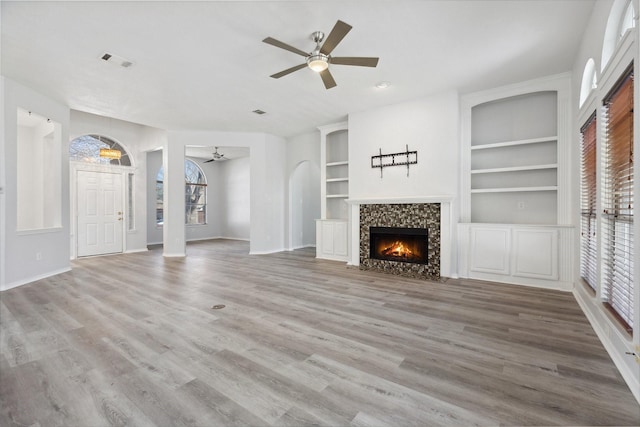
x=343 y=163
x=516 y=168
x=514 y=189
x=514 y=143
x=337 y=179
x=337 y=196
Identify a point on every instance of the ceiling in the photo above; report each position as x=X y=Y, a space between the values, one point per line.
x=201 y=65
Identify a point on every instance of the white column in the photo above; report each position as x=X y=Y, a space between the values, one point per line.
x=173 y=230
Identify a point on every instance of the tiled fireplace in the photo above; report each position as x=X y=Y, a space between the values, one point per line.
x=402 y=239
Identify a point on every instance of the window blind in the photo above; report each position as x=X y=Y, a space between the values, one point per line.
x=588 y=242
x=617 y=217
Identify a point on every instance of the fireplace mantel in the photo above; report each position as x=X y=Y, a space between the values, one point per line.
x=401 y=200
x=447 y=260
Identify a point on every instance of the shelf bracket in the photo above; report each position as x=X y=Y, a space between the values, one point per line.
x=395 y=159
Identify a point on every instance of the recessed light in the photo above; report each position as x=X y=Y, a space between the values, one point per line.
x=383 y=85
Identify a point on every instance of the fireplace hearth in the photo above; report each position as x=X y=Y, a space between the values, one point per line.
x=399 y=244
x=401 y=239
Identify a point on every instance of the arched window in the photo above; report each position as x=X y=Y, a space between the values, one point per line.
x=621 y=19
x=589 y=80
x=627 y=22
x=195 y=203
x=98 y=149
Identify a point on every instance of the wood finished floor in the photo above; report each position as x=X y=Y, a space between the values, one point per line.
x=132 y=340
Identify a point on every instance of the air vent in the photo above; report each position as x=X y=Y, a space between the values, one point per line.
x=260 y=112
x=116 y=60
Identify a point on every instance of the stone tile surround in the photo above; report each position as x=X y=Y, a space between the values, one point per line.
x=410 y=215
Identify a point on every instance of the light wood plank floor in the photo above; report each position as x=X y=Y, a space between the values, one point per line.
x=133 y=340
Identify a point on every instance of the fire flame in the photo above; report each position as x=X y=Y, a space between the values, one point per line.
x=398 y=250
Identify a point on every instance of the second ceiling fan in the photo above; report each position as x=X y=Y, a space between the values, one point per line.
x=216 y=156
x=320 y=58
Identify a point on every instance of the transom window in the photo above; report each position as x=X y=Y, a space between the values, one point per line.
x=98 y=149
x=195 y=195
x=627 y=21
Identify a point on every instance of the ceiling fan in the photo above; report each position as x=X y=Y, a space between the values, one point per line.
x=216 y=156
x=320 y=58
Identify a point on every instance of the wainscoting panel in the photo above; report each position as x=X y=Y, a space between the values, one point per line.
x=533 y=255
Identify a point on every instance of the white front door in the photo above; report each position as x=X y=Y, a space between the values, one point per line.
x=100 y=214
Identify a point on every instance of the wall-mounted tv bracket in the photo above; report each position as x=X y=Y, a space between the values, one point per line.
x=395 y=159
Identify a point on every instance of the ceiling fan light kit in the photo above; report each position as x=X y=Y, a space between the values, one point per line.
x=319 y=59
x=318 y=62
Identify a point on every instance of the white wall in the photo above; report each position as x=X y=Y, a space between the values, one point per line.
x=268 y=197
x=231 y=194
x=303 y=197
x=40 y=253
x=429 y=126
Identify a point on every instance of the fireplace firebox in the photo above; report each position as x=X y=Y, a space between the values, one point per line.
x=399 y=244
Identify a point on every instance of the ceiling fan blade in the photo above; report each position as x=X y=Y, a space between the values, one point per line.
x=327 y=79
x=212 y=160
x=288 y=71
x=281 y=45
x=358 y=61
x=335 y=36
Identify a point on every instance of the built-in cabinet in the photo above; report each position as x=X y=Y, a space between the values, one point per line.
x=333 y=226
x=515 y=209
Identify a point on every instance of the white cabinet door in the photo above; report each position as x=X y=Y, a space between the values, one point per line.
x=535 y=253
x=333 y=239
x=340 y=239
x=327 y=237
x=490 y=250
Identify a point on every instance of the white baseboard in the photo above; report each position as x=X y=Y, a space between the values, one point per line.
x=274 y=251
x=133 y=251
x=177 y=255
x=605 y=339
x=31 y=279
x=301 y=247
